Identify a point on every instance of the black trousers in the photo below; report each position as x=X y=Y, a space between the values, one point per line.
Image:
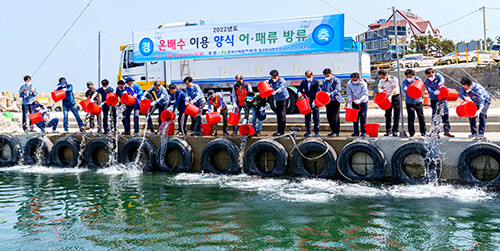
x=181 y=122
x=160 y=109
x=419 y=110
x=27 y=109
x=281 y=115
x=105 y=112
x=396 y=107
x=224 y=123
x=436 y=106
x=332 y=114
x=315 y=116
x=363 y=108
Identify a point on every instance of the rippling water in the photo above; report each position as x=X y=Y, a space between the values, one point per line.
x=116 y=208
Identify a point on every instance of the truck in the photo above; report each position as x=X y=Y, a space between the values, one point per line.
x=218 y=73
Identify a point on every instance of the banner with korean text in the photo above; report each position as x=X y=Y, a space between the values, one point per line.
x=271 y=37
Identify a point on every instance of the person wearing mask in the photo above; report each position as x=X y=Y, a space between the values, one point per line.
x=413 y=105
x=257 y=105
x=28 y=93
x=133 y=90
x=92 y=95
x=69 y=104
x=104 y=90
x=160 y=97
x=357 y=92
x=390 y=85
x=239 y=94
x=476 y=93
x=179 y=99
x=309 y=87
x=216 y=103
x=46 y=122
x=332 y=86
x=280 y=95
x=196 y=97
x=432 y=83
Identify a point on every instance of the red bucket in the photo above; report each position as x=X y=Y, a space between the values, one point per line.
x=84 y=103
x=350 y=113
x=131 y=100
x=213 y=118
x=416 y=89
x=124 y=98
x=171 y=129
x=93 y=108
x=234 y=117
x=265 y=89
x=206 y=129
x=443 y=92
x=382 y=100
x=192 y=110
x=322 y=98
x=145 y=106
x=111 y=99
x=452 y=95
x=303 y=105
x=58 y=95
x=35 y=117
x=167 y=115
x=372 y=129
x=466 y=109
x=247 y=130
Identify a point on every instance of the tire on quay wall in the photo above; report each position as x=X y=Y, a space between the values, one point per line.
x=291 y=106
x=10 y=150
x=409 y=164
x=220 y=156
x=31 y=151
x=309 y=168
x=478 y=165
x=97 y=153
x=362 y=160
x=65 y=152
x=264 y=152
x=130 y=150
x=176 y=148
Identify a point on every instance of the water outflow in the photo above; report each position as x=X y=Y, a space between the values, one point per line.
x=39 y=149
x=432 y=144
x=137 y=157
x=113 y=137
x=242 y=152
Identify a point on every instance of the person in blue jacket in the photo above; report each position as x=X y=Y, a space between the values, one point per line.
x=104 y=90
x=161 y=98
x=332 y=86
x=281 y=96
x=179 y=99
x=134 y=90
x=69 y=104
x=196 y=97
x=432 y=83
x=28 y=93
x=309 y=87
x=476 y=93
x=413 y=105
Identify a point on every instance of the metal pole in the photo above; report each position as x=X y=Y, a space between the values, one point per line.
x=99 y=58
x=484 y=27
x=403 y=134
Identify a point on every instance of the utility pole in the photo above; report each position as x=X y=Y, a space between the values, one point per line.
x=484 y=27
x=403 y=134
x=99 y=57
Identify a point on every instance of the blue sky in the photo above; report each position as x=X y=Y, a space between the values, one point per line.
x=31 y=28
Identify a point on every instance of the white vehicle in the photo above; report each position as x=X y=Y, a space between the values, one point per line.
x=401 y=62
x=484 y=56
x=495 y=52
x=448 y=59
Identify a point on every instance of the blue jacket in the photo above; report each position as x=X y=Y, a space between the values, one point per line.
x=104 y=92
x=195 y=95
x=28 y=96
x=478 y=95
x=410 y=100
x=135 y=90
x=70 y=99
x=432 y=86
x=309 y=92
x=333 y=87
x=281 y=89
x=180 y=100
x=161 y=97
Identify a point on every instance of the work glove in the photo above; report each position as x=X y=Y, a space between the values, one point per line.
x=135 y=95
x=436 y=92
x=219 y=110
x=153 y=103
x=274 y=92
x=467 y=99
x=477 y=113
x=244 y=122
x=357 y=101
x=235 y=105
x=313 y=105
x=171 y=108
x=262 y=109
x=468 y=90
x=186 y=103
x=390 y=99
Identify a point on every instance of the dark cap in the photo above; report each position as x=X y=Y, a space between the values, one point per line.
x=121 y=82
x=274 y=73
x=129 y=79
x=210 y=93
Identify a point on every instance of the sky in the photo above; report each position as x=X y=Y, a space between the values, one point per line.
x=32 y=27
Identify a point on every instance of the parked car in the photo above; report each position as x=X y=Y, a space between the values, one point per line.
x=495 y=52
x=450 y=58
x=484 y=56
x=413 y=60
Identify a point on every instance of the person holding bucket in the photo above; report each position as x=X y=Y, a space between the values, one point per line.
x=390 y=85
x=309 y=87
x=239 y=94
x=257 y=105
x=216 y=103
x=179 y=99
x=91 y=94
x=433 y=83
x=104 y=90
x=28 y=93
x=332 y=86
x=160 y=97
x=280 y=95
x=134 y=90
x=196 y=97
x=413 y=105
x=476 y=93
x=69 y=104
x=357 y=93
x=46 y=122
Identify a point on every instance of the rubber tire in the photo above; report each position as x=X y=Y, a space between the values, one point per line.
x=292 y=106
x=32 y=144
x=148 y=148
x=399 y=156
x=310 y=146
x=69 y=142
x=15 y=150
x=465 y=158
x=379 y=163
x=89 y=153
x=220 y=144
x=272 y=146
x=180 y=145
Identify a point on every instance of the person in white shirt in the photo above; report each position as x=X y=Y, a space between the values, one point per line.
x=390 y=85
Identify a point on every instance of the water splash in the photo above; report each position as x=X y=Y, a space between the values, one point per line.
x=242 y=152
x=42 y=169
x=432 y=144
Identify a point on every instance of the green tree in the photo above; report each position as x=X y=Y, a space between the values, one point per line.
x=430 y=45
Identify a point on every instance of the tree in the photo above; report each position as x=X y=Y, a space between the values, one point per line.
x=430 y=45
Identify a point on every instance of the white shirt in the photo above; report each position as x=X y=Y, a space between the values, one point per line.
x=389 y=84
